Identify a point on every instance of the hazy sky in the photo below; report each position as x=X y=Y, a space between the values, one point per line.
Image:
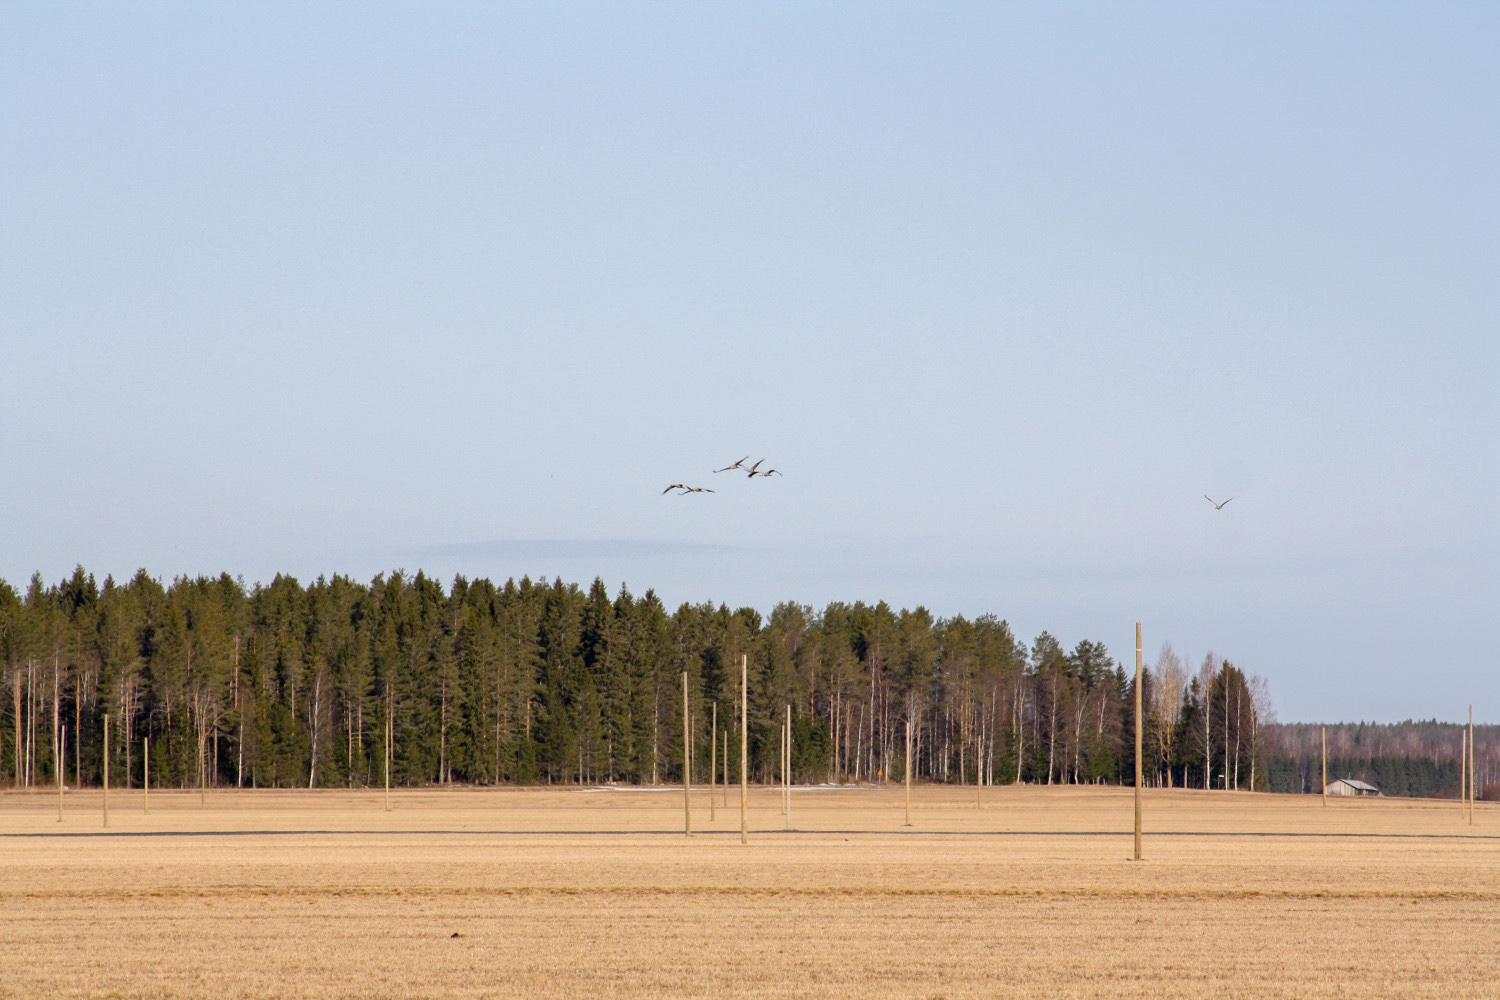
x=1002 y=289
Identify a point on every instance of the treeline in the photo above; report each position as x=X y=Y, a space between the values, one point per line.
x=288 y=685
x=1404 y=758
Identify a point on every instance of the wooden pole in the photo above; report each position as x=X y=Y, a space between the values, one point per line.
x=687 y=766
x=1138 y=741
x=388 y=730
x=786 y=772
x=713 y=759
x=1325 y=767
x=979 y=771
x=62 y=752
x=907 y=775
x=744 y=748
x=782 y=765
x=1463 y=774
x=725 y=765
x=106 y=769
x=146 y=774
x=1473 y=759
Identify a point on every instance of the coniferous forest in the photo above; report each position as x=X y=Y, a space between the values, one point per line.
x=286 y=685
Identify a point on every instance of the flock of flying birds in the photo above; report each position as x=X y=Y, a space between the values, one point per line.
x=683 y=489
x=751 y=470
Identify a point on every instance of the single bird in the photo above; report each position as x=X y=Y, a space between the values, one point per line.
x=736 y=465
x=768 y=472
x=1217 y=505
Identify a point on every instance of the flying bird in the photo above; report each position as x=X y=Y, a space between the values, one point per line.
x=736 y=465
x=768 y=472
x=751 y=468
x=1217 y=505
x=686 y=489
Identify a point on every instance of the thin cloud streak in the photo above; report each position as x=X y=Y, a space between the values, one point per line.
x=566 y=549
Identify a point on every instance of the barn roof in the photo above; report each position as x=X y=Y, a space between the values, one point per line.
x=1359 y=784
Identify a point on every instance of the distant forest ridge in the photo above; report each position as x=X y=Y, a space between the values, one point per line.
x=292 y=685
x=1403 y=758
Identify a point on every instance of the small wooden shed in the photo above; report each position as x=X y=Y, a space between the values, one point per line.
x=1348 y=786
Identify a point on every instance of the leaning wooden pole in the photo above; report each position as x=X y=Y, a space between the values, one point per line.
x=1139 y=743
x=687 y=765
x=744 y=748
x=713 y=759
x=106 y=769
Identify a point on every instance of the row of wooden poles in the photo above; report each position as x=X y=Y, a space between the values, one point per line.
x=62 y=743
x=713 y=762
x=1467 y=780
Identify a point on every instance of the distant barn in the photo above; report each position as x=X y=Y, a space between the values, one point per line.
x=1348 y=786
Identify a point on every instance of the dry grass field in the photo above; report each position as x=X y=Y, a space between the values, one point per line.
x=596 y=893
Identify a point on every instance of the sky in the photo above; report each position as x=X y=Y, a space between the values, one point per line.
x=1002 y=290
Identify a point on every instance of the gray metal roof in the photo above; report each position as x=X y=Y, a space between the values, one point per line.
x=1359 y=784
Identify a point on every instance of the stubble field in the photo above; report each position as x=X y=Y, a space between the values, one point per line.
x=534 y=893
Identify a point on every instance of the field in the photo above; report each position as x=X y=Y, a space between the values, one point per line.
x=596 y=893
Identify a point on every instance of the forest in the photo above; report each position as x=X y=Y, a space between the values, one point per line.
x=286 y=685
x=1403 y=758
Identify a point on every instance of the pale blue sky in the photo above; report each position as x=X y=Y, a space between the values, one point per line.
x=1002 y=289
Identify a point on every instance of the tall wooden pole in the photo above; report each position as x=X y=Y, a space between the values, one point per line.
x=786 y=771
x=781 y=765
x=146 y=774
x=713 y=759
x=725 y=765
x=1325 y=767
x=1139 y=746
x=388 y=731
x=907 y=775
x=1463 y=774
x=106 y=769
x=1473 y=759
x=744 y=748
x=687 y=766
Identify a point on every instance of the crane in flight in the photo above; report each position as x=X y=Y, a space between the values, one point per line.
x=686 y=489
x=737 y=465
x=1217 y=505
x=768 y=472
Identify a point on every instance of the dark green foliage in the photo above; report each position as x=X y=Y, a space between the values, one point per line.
x=291 y=685
x=1418 y=759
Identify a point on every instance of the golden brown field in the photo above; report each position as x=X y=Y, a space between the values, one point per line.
x=535 y=893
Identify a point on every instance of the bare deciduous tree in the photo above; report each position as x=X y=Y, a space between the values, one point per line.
x=1170 y=681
